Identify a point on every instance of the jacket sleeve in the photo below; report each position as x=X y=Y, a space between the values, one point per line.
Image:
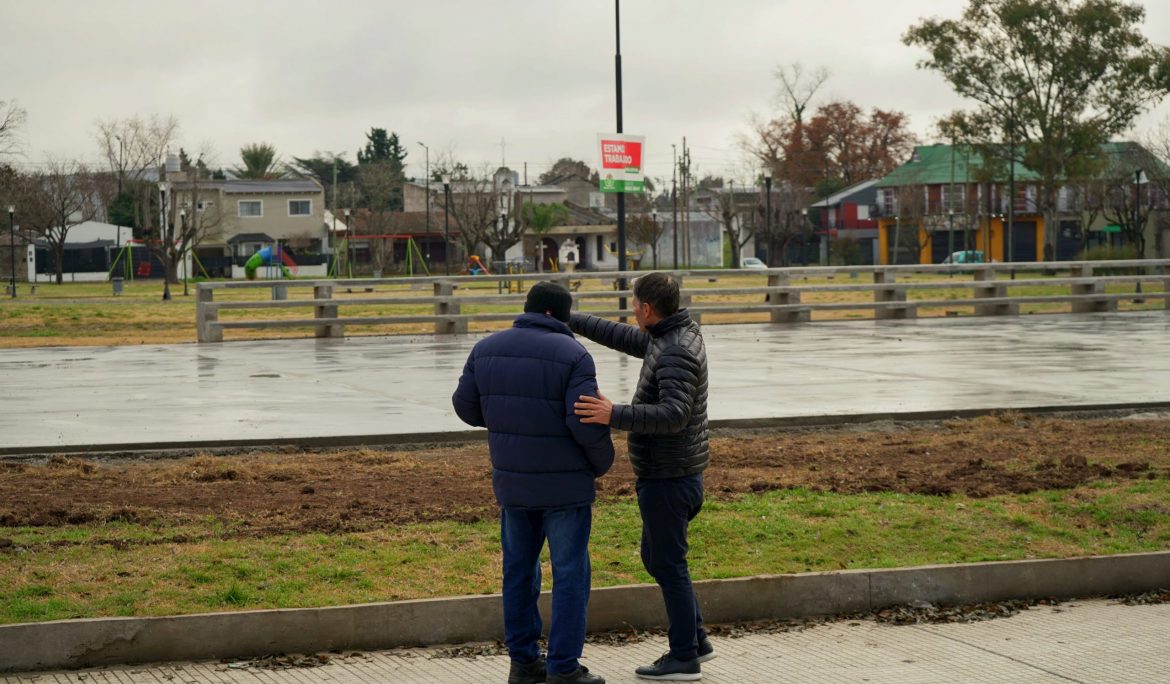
x=466 y=397
x=595 y=440
x=622 y=337
x=677 y=375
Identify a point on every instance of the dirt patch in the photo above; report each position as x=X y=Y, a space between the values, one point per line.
x=362 y=489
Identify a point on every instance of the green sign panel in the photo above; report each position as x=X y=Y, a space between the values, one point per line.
x=1111 y=229
x=618 y=185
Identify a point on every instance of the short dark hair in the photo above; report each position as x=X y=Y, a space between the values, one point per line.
x=659 y=290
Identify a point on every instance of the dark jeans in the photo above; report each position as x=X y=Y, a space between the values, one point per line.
x=522 y=533
x=668 y=506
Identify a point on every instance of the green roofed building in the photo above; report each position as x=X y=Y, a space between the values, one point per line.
x=949 y=199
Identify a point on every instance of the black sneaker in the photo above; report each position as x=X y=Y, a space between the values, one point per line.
x=581 y=675
x=669 y=668
x=706 y=650
x=532 y=673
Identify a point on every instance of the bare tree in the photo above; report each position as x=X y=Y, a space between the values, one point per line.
x=471 y=203
x=380 y=183
x=54 y=201
x=646 y=231
x=12 y=118
x=738 y=219
x=134 y=150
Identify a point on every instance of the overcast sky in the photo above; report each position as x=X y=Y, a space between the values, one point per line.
x=512 y=80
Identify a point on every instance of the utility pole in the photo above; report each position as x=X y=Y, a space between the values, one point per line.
x=333 y=212
x=674 y=199
x=1011 y=208
x=621 y=198
x=685 y=170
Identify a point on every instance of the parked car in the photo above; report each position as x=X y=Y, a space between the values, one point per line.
x=752 y=262
x=970 y=256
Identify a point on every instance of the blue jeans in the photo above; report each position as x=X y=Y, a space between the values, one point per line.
x=667 y=507
x=522 y=533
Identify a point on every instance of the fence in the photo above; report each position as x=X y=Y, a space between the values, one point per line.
x=780 y=298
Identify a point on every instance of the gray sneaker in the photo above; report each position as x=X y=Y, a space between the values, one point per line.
x=668 y=668
x=706 y=650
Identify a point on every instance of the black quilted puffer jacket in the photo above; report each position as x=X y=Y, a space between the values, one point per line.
x=667 y=420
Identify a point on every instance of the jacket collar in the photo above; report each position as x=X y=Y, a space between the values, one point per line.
x=675 y=320
x=539 y=320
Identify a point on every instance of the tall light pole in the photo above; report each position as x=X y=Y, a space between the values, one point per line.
x=654 y=218
x=164 y=233
x=447 y=223
x=768 y=212
x=807 y=237
x=183 y=231
x=621 y=198
x=12 y=244
x=348 y=244
x=674 y=199
x=428 y=184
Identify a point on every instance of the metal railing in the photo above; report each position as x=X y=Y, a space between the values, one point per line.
x=780 y=298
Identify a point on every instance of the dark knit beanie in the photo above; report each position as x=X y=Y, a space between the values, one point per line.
x=550 y=297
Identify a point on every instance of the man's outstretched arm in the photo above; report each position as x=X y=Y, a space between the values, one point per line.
x=627 y=339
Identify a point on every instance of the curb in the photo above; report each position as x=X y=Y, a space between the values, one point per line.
x=106 y=641
x=136 y=449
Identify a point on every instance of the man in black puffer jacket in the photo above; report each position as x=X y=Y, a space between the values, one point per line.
x=521 y=384
x=667 y=422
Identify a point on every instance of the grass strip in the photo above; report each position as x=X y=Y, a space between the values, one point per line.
x=124 y=569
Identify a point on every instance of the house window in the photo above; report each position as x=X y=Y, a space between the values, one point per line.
x=300 y=207
x=204 y=205
x=251 y=208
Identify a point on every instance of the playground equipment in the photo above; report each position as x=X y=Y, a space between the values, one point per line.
x=272 y=257
x=475 y=266
x=415 y=261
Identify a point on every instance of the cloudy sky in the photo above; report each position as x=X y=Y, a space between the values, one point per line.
x=512 y=80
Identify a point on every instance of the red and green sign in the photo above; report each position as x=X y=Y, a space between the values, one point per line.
x=621 y=162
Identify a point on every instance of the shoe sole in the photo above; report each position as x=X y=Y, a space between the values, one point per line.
x=708 y=657
x=680 y=677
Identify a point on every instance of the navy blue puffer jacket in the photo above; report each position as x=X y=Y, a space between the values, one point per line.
x=521 y=383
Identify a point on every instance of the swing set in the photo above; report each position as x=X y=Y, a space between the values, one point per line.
x=415 y=261
x=144 y=267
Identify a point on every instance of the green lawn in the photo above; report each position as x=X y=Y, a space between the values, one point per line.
x=123 y=569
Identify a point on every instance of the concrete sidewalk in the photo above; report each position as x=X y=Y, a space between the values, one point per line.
x=175 y=394
x=1080 y=641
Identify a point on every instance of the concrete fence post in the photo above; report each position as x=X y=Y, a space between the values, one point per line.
x=784 y=299
x=206 y=316
x=326 y=311
x=988 y=287
x=1089 y=305
x=892 y=293
x=446 y=307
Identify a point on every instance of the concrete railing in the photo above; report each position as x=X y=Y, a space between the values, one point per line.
x=781 y=297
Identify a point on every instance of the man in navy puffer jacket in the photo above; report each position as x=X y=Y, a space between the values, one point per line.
x=521 y=384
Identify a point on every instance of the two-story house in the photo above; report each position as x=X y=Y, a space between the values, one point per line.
x=947 y=199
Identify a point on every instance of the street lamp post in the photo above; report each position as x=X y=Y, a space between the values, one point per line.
x=807 y=237
x=674 y=200
x=654 y=218
x=428 y=184
x=164 y=233
x=183 y=231
x=348 y=244
x=447 y=223
x=768 y=213
x=951 y=237
x=12 y=244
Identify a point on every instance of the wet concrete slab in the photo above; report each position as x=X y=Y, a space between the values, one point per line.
x=172 y=394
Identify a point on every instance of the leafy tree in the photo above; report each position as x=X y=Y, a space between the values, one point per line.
x=320 y=167
x=121 y=210
x=1059 y=76
x=382 y=147
x=260 y=163
x=538 y=219
x=566 y=166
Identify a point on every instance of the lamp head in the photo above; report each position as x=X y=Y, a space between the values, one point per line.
x=11 y=209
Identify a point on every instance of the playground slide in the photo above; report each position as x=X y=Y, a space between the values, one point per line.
x=268 y=256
